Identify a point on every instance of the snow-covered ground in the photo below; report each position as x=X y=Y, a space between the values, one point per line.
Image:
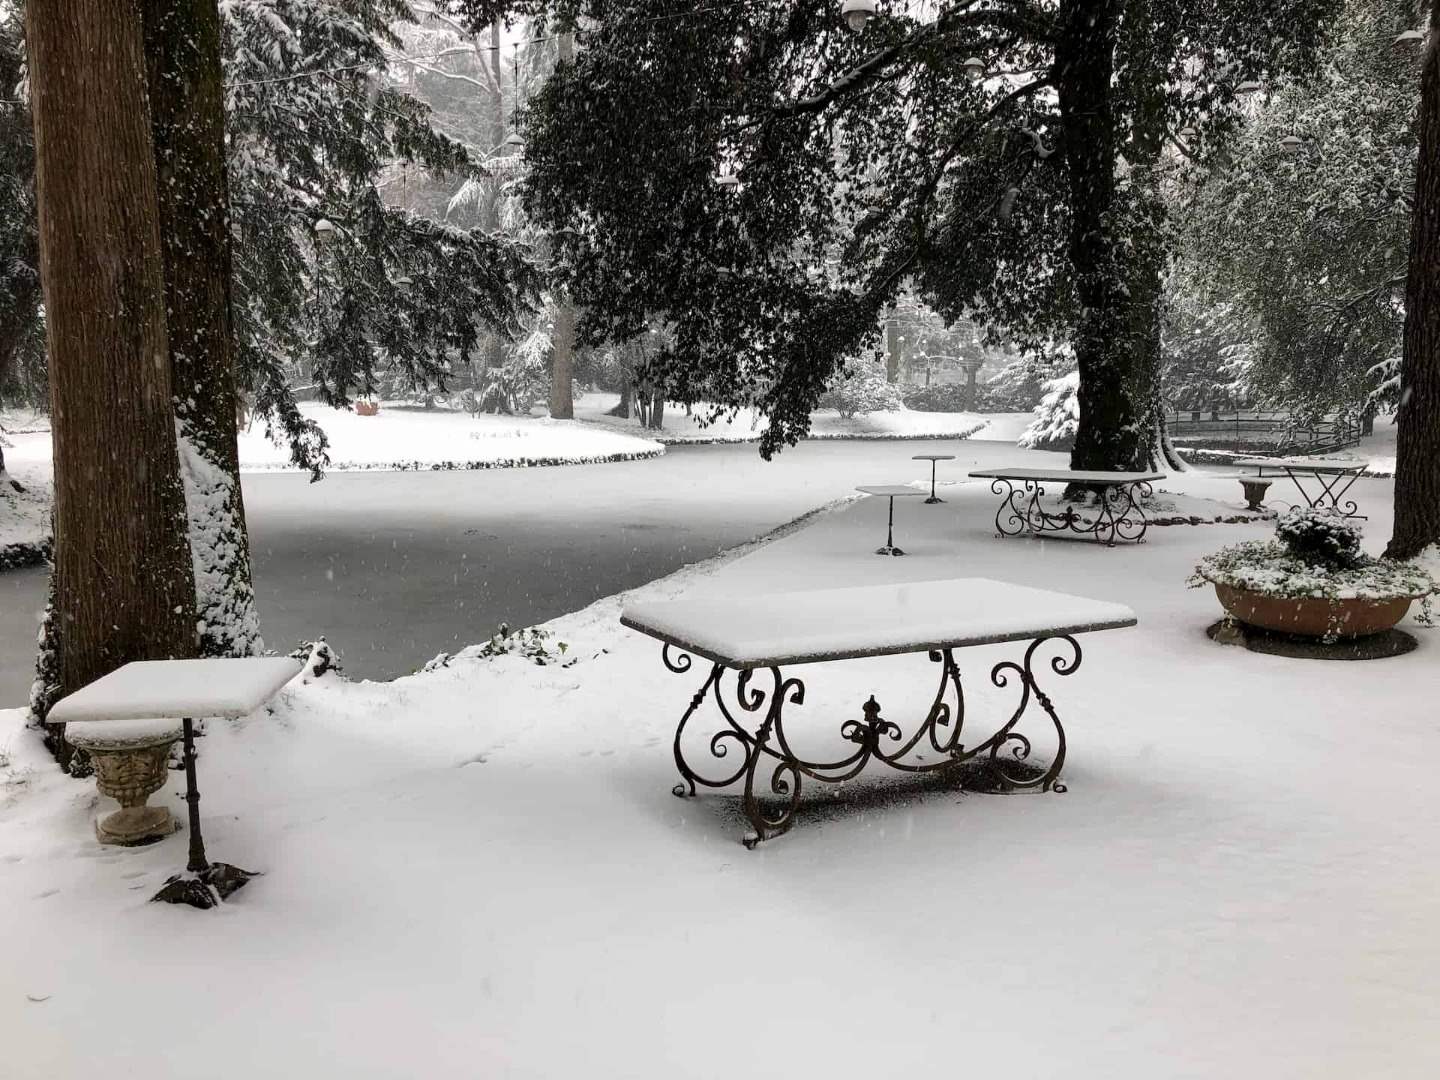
x=25 y=514
x=747 y=425
x=401 y=437
x=480 y=870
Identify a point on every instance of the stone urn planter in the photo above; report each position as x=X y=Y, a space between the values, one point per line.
x=131 y=760
x=1313 y=616
x=1313 y=581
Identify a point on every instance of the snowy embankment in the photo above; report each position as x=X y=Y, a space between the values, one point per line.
x=406 y=438
x=480 y=870
x=746 y=425
x=24 y=512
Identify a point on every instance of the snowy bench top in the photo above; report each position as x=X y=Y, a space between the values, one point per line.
x=1069 y=476
x=175 y=689
x=1315 y=465
x=868 y=620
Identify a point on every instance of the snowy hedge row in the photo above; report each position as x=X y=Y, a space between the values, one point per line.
x=872 y=436
x=23 y=553
x=489 y=463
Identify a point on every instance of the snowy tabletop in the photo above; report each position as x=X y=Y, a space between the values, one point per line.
x=868 y=620
x=933 y=457
x=179 y=688
x=1069 y=476
x=892 y=490
x=1314 y=465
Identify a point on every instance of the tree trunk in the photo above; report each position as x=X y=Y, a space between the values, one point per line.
x=562 y=361
x=1112 y=418
x=187 y=115
x=1417 y=453
x=123 y=586
x=892 y=348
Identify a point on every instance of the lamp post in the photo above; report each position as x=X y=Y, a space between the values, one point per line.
x=857 y=13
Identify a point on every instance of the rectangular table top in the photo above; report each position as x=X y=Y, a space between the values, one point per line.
x=1069 y=476
x=868 y=620
x=176 y=689
x=1301 y=464
x=892 y=490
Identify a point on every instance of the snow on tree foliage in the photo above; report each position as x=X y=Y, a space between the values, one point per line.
x=1305 y=252
x=861 y=389
x=1057 y=417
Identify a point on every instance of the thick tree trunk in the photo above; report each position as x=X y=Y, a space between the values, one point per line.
x=123 y=586
x=187 y=114
x=562 y=361
x=1112 y=433
x=1417 y=456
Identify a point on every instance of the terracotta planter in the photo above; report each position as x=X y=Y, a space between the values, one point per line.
x=367 y=408
x=1312 y=616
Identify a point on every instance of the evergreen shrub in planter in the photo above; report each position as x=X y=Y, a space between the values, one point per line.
x=1313 y=580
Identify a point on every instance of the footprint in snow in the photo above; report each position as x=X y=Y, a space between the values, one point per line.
x=47 y=892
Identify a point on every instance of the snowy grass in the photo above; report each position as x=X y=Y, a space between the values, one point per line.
x=746 y=425
x=405 y=438
x=480 y=870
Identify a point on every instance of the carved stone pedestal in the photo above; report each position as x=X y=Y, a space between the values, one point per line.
x=131 y=760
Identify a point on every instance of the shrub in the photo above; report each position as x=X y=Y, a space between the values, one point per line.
x=1320 y=537
x=942 y=397
x=862 y=389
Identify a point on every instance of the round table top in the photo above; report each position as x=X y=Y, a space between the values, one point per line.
x=932 y=457
x=892 y=490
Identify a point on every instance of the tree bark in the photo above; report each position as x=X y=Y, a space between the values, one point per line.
x=892 y=348
x=187 y=115
x=562 y=361
x=123 y=586
x=1112 y=417
x=1417 y=452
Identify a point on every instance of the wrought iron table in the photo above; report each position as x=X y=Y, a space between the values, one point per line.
x=181 y=690
x=933 y=458
x=1118 y=511
x=1328 y=475
x=763 y=636
x=892 y=492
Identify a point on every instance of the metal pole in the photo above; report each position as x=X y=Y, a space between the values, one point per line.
x=890 y=526
x=198 y=862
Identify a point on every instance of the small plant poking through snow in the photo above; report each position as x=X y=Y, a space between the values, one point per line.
x=1316 y=554
x=532 y=643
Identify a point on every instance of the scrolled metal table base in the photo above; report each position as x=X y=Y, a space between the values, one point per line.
x=764 y=760
x=1118 y=512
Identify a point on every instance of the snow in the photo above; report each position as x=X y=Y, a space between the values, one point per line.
x=138 y=731
x=747 y=424
x=228 y=687
x=25 y=514
x=401 y=437
x=1070 y=476
x=480 y=870
x=869 y=620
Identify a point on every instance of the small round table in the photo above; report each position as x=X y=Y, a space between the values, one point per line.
x=933 y=458
x=892 y=492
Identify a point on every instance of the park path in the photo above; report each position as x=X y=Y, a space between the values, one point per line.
x=394 y=568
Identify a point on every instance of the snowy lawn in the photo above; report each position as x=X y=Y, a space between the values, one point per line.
x=25 y=515
x=747 y=425
x=480 y=870
x=407 y=437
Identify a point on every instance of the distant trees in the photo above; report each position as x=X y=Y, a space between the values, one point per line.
x=1298 y=256
x=869 y=161
x=22 y=352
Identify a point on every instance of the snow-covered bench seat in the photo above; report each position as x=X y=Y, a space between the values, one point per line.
x=1118 y=513
x=747 y=634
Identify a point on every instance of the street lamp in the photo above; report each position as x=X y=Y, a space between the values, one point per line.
x=324 y=232
x=1291 y=144
x=403 y=284
x=974 y=68
x=1249 y=86
x=514 y=141
x=727 y=179
x=1410 y=37
x=856 y=13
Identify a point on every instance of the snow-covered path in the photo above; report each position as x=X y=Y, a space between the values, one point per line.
x=480 y=871
x=396 y=567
